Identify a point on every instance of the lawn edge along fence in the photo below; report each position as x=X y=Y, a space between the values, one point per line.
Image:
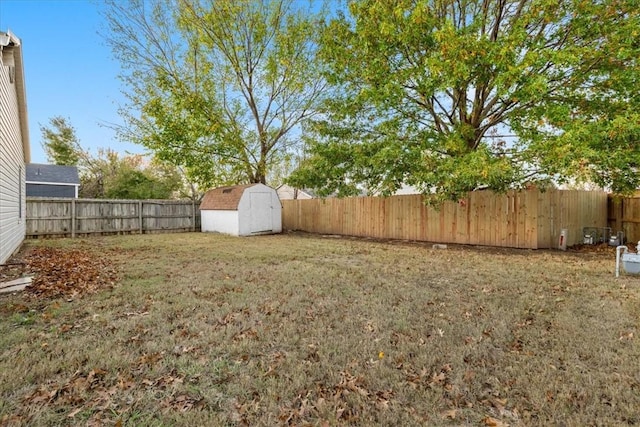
x=530 y=219
x=59 y=217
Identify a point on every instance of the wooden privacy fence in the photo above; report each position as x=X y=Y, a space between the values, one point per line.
x=72 y=217
x=527 y=219
x=624 y=215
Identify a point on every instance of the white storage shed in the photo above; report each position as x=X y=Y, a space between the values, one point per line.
x=242 y=210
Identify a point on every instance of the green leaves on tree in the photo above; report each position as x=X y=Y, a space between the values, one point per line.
x=60 y=142
x=450 y=96
x=108 y=174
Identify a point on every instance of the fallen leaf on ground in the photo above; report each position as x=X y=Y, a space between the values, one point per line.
x=67 y=272
x=492 y=422
x=450 y=414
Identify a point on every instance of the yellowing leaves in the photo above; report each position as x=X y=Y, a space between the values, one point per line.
x=387 y=28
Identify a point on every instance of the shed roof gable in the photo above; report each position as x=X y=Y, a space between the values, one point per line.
x=224 y=198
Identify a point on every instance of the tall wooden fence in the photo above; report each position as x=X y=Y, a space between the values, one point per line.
x=48 y=217
x=528 y=219
x=624 y=215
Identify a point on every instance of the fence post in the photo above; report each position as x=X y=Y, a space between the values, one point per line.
x=140 y=216
x=193 y=215
x=73 y=218
x=618 y=205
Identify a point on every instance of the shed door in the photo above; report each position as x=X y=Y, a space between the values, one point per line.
x=261 y=212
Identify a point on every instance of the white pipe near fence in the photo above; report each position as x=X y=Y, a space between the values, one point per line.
x=49 y=217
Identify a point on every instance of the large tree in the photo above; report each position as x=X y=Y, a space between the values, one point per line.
x=453 y=95
x=217 y=87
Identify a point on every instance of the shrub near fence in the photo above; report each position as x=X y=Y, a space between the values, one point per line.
x=527 y=219
x=48 y=217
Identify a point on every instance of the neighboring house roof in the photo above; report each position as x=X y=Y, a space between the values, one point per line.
x=11 y=50
x=52 y=174
x=406 y=189
x=223 y=198
x=306 y=191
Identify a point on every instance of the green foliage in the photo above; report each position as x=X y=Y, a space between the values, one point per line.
x=107 y=174
x=111 y=176
x=219 y=88
x=60 y=142
x=454 y=95
x=135 y=184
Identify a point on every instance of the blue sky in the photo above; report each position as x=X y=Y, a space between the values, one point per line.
x=69 y=70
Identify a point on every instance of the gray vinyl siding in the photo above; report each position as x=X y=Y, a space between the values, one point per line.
x=12 y=170
x=50 y=190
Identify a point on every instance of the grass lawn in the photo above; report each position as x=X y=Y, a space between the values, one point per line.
x=204 y=329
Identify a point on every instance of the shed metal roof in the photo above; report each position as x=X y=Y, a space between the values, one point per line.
x=52 y=174
x=223 y=198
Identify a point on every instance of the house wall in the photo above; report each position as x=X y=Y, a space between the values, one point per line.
x=51 y=190
x=12 y=169
x=406 y=189
x=286 y=192
x=265 y=204
x=220 y=221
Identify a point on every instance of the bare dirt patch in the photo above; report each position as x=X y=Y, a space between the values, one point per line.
x=203 y=329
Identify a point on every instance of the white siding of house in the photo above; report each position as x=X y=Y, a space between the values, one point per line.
x=406 y=189
x=286 y=192
x=220 y=221
x=12 y=170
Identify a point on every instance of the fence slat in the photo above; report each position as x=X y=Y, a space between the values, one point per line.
x=624 y=215
x=72 y=217
x=528 y=219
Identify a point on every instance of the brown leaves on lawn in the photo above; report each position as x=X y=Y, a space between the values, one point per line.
x=82 y=391
x=98 y=395
x=183 y=403
x=67 y=273
x=347 y=400
x=439 y=378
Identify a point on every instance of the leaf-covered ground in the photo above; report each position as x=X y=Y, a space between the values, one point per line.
x=67 y=273
x=204 y=329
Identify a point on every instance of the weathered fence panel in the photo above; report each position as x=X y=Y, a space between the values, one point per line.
x=624 y=215
x=526 y=219
x=48 y=217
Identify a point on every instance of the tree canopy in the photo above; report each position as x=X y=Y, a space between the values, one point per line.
x=454 y=95
x=112 y=176
x=60 y=142
x=109 y=174
x=217 y=87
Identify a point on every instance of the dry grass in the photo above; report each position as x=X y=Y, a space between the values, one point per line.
x=203 y=329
